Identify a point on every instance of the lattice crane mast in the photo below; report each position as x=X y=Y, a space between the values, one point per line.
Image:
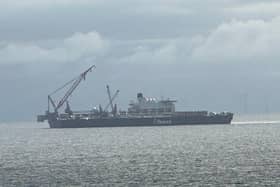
x=111 y=99
x=75 y=83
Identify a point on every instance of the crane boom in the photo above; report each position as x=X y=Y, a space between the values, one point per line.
x=76 y=83
x=50 y=100
x=111 y=101
x=109 y=96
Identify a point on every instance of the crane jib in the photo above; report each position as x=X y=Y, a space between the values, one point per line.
x=76 y=82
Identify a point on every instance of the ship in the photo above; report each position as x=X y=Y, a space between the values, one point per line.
x=145 y=111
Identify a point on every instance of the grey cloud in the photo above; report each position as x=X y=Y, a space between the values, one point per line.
x=251 y=40
x=259 y=9
x=234 y=41
x=114 y=19
x=77 y=47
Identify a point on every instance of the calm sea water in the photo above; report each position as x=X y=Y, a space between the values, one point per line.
x=216 y=155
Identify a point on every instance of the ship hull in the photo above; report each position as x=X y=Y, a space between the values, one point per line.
x=140 y=121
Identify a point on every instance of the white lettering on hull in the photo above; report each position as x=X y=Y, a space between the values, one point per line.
x=162 y=122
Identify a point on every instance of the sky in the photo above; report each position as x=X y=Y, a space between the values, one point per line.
x=216 y=55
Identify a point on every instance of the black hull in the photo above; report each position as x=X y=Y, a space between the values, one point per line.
x=144 y=121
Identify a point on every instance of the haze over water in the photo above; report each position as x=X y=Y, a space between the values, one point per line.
x=218 y=55
x=31 y=154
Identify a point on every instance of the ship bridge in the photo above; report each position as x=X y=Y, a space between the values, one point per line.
x=151 y=106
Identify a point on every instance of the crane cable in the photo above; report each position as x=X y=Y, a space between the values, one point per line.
x=66 y=84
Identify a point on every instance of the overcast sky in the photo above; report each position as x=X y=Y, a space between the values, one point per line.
x=208 y=54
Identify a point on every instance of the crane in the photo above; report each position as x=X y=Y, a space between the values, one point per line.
x=111 y=99
x=75 y=83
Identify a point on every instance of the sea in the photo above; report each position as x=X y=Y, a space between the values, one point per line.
x=241 y=154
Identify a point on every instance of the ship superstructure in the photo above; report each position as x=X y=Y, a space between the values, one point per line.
x=151 y=106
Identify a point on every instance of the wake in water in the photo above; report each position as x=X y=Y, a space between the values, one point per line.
x=272 y=118
x=254 y=122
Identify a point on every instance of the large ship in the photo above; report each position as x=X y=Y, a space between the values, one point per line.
x=142 y=112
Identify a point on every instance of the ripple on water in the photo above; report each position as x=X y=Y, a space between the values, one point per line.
x=184 y=155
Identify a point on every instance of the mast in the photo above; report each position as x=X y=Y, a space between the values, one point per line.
x=111 y=99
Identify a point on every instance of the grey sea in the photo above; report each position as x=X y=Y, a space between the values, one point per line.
x=241 y=154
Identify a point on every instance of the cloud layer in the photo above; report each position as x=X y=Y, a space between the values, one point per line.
x=75 y=48
x=235 y=41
